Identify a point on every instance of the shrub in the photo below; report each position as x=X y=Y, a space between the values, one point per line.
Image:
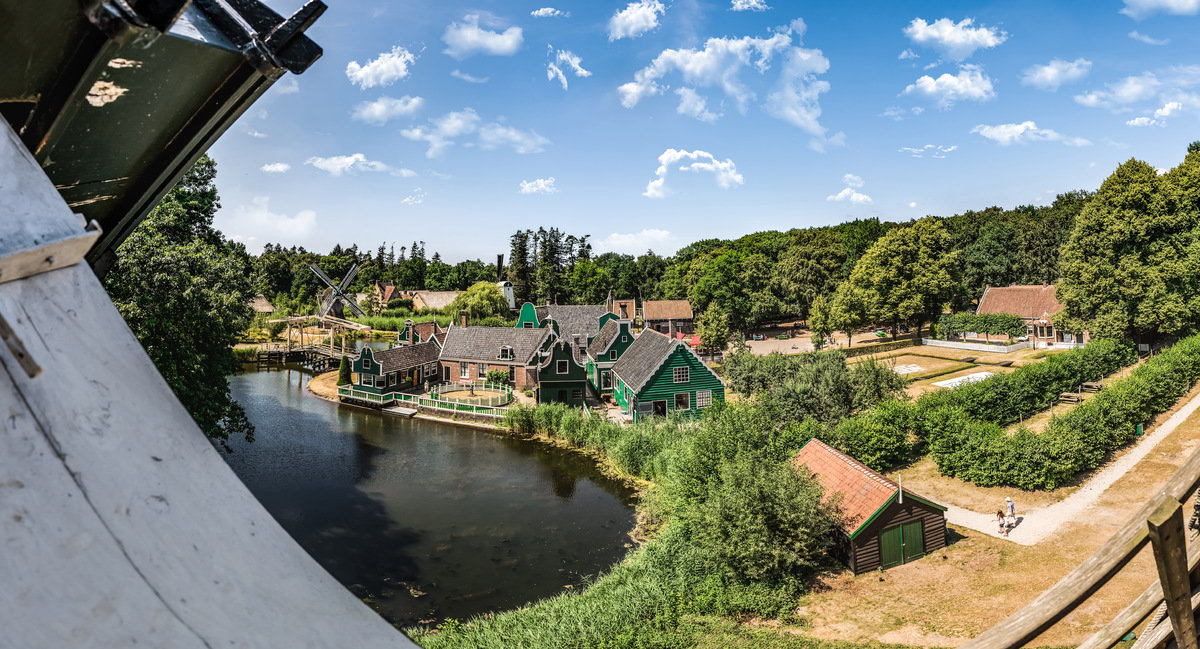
x=497 y=377
x=344 y=371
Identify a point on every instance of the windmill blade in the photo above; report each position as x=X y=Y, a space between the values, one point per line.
x=321 y=274
x=355 y=308
x=348 y=278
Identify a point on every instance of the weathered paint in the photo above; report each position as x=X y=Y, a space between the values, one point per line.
x=662 y=387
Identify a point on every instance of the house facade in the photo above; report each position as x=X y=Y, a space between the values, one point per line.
x=396 y=369
x=604 y=351
x=658 y=375
x=561 y=375
x=570 y=320
x=668 y=316
x=884 y=526
x=469 y=353
x=420 y=332
x=1036 y=305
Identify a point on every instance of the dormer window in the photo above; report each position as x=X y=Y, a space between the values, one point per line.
x=506 y=353
x=561 y=367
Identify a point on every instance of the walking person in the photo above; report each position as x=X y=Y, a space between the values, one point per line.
x=1010 y=514
x=1000 y=523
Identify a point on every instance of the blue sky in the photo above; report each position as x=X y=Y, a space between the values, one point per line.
x=652 y=124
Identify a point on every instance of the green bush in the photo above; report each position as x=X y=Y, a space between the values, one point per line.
x=344 y=371
x=992 y=324
x=497 y=377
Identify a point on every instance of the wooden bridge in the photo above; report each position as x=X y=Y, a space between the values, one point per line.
x=319 y=358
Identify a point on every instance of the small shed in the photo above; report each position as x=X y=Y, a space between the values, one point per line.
x=668 y=316
x=884 y=526
x=261 y=304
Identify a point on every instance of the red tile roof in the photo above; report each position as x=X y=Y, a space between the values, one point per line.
x=864 y=491
x=1036 y=302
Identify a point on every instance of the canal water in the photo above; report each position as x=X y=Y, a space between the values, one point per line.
x=425 y=520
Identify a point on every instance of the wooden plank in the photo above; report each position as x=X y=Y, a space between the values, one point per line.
x=1170 y=556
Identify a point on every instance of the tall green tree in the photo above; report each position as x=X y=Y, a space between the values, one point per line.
x=808 y=269
x=989 y=260
x=1132 y=263
x=908 y=274
x=482 y=300
x=184 y=290
x=713 y=328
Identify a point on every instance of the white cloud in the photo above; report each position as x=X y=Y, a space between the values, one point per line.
x=849 y=193
x=568 y=60
x=955 y=41
x=1138 y=9
x=635 y=243
x=635 y=19
x=1149 y=40
x=468 y=78
x=793 y=97
x=495 y=136
x=257 y=218
x=467 y=38
x=378 y=112
x=1168 y=109
x=1055 y=73
x=897 y=113
x=970 y=84
x=549 y=12
x=1142 y=121
x=908 y=54
x=539 y=186
x=287 y=86
x=929 y=150
x=442 y=131
x=1129 y=90
x=1160 y=115
x=275 y=167
x=415 y=198
x=725 y=171
x=257 y=134
x=383 y=70
x=748 y=5
x=339 y=165
x=693 y=105
x=912 y=204
x=1027 y=131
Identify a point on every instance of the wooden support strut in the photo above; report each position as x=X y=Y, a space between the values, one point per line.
x=1170 y=556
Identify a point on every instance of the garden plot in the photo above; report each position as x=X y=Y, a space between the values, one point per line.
x=964 y=379
x=917 y=367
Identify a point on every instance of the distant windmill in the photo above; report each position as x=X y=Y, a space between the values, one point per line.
x=336 y=297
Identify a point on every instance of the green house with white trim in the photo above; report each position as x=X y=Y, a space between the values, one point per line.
x=658 y=376
x=605 y=350
x=397 y=369
x=561 y=375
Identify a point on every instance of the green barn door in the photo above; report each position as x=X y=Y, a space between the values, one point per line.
x=891 y=547
x=914 y=541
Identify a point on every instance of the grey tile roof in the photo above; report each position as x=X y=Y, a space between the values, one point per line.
x=484 y=343
x=608 y=333
x=643 y=358
x=582 y=319
x=406 y=357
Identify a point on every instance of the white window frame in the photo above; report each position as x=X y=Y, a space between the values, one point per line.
x=624 y=339
x=483 y=370
x=506 y=353
x=366 y=363
x=561 y=367
x=464 y=370
x=686 y=374
x=606 y=380
x=687 y=397
x=703 y=399
x=391 y=379
x=612 y=354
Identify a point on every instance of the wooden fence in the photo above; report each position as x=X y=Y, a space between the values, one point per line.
x=417 y=401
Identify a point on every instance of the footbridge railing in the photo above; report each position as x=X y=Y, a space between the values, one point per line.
x=418 y=401
x=1160 y=522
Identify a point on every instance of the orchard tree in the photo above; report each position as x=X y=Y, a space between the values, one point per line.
x=184 y=291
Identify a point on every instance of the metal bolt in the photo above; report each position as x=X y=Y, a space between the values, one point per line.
x=49 y=260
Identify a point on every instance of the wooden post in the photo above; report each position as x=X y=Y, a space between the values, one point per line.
x=1170 y=555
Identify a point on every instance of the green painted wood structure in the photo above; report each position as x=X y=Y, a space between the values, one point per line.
x=605 y=350
x=561 y=375
x=659 y=376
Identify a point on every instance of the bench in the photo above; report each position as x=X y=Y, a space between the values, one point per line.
x=1091 y=387
x=1070 y=397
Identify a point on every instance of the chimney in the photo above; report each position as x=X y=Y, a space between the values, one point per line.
x=624 y=312
x=462 y=315
x=671 y=328
x=608 y=302
x=408 y=324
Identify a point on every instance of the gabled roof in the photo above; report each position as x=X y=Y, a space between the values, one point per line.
x=436 y=299
x=1028 y=301
x=608 y=333
x=405 y=357
x=666 y=310
x=484 y=343
x=261 y=304
x=865 y=492
x=642 y=359
x=387 y=291
x=548 y=355
x=630 y=308
x=423 y=330
x=573 y=319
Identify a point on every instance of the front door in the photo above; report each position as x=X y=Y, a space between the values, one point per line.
x=660 y=408
x=901 y=544
x=914 y=541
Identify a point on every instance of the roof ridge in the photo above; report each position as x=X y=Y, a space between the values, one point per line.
x=866 y=470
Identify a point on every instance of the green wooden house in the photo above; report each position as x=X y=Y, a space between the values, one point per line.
x=658 y=375
x=561 y=375
x=570 y=319
x=396 y=369
x=604 y=350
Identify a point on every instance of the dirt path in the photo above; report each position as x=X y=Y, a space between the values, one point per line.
x=1035 y=525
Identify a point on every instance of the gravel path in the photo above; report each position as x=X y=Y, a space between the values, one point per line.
x=1034 y=525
